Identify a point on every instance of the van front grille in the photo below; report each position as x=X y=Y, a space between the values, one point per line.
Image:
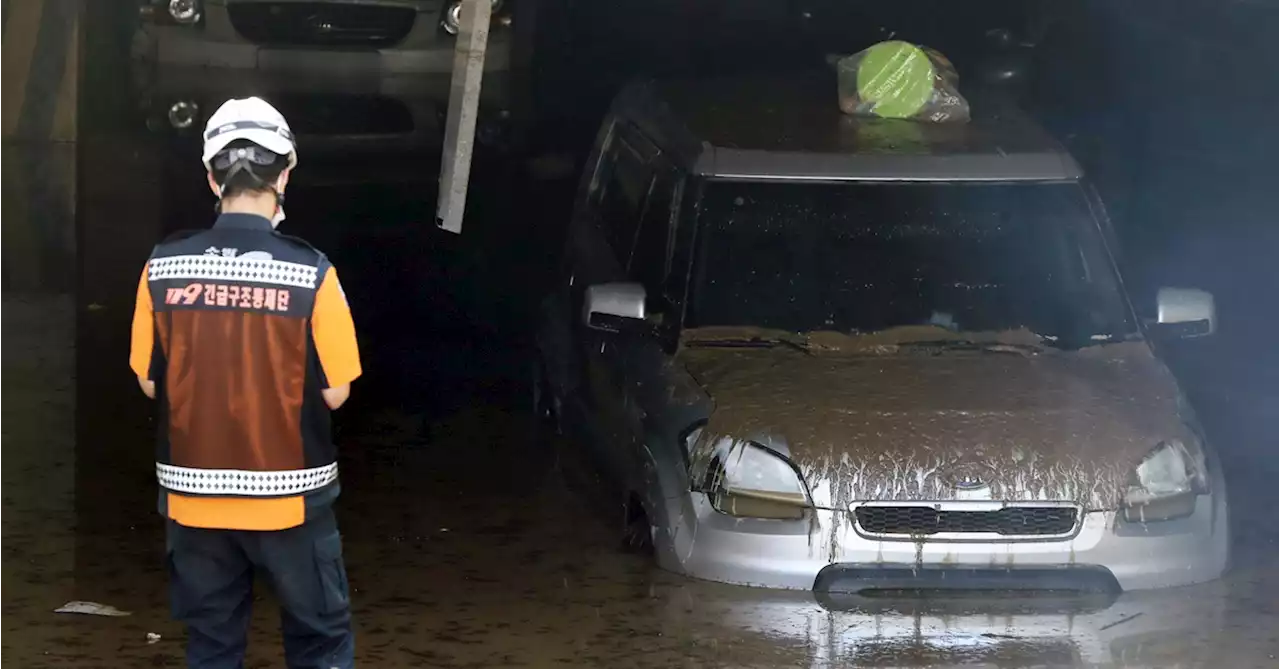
x=321 y=24
x=1011 y=521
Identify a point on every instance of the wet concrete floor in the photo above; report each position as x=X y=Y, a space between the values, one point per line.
x=464 y=546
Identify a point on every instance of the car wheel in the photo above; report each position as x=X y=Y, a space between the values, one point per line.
x=543 y=421
x=637 y=535
x=542 y=400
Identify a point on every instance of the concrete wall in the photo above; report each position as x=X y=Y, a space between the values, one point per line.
x=41 y=65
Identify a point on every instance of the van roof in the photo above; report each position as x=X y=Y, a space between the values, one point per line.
x=785 y=128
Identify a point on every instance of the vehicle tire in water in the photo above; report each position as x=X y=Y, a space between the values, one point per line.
x=543 y=421
x=637 y=534
x=540 y=400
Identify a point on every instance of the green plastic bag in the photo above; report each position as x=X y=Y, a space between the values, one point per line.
x=901 y=80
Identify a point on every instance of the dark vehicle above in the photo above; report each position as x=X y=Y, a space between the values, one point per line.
x=350 y=74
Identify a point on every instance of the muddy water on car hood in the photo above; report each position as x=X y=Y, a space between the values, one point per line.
x=888 y=423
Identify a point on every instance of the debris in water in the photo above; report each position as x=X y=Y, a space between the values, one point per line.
x=92 y=609
x=1119 y=622
x=152 y=637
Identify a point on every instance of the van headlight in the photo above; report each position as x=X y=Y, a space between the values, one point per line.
x=746 y=479
x=186 y=12
x=1164 y=485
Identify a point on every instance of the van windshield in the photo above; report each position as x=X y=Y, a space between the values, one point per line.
x=860 y=258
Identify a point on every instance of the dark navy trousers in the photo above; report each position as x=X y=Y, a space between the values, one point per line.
x=211 y=586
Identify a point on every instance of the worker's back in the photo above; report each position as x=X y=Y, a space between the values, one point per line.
x=244 y=342
x=244 y=337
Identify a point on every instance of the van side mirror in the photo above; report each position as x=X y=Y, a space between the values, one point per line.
x=616 y=307
x=1185 y=313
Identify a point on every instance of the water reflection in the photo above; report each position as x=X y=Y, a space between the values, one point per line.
x=995 y=632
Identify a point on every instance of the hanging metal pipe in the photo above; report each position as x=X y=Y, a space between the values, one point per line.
x=464 y=103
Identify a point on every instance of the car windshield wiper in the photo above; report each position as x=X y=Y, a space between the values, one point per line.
x=747 y=342
x=971 y=345
x=1102 y=339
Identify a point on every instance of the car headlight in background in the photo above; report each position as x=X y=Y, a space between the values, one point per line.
x=186 y=12
x=182 y=115
x=451 y=22
x=743 y=478
x=1164 y=486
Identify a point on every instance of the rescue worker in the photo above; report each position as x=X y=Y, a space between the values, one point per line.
x=244 y=337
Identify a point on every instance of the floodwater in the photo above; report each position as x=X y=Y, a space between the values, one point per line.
x=464 y=546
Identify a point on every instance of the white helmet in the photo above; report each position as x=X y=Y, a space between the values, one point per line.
x=252 y=119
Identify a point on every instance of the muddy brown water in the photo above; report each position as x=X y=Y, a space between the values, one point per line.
x=465 y=549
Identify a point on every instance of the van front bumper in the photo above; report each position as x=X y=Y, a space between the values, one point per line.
x=826 y=550
x=337 y=100
x=217 y=44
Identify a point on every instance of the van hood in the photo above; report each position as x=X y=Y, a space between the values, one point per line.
x=1057 y=425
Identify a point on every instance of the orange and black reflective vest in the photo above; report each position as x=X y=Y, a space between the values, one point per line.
x=240 y=328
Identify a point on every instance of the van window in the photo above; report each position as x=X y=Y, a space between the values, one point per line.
x=650 y=259
x=625 y=190
x=861 y=258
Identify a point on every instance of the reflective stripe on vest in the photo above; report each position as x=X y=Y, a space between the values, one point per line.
x=248 y=269
x=239 y=482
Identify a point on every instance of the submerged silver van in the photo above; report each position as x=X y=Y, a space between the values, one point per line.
x=795 y=349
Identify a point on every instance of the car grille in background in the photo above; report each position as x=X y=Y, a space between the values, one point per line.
x=316 y=114
x=326 y=24
x=995 y=651
x=1025 y=521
